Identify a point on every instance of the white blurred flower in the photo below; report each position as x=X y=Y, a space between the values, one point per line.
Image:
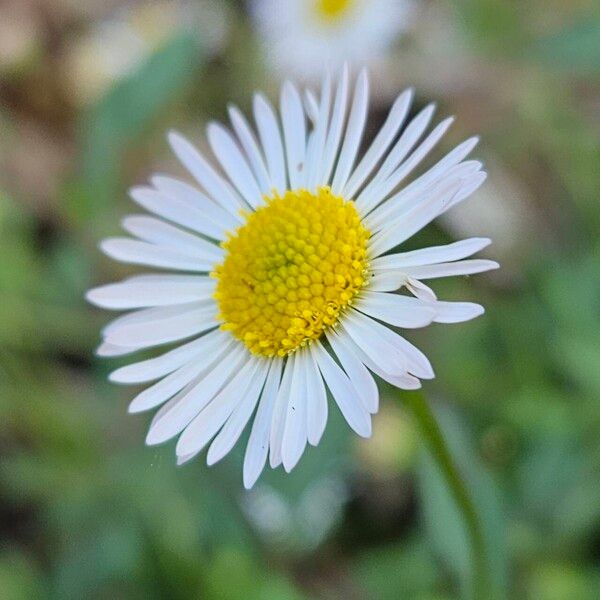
x=307 y=37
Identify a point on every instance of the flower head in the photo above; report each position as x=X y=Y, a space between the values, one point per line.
x=287 y=286
x=306 y=36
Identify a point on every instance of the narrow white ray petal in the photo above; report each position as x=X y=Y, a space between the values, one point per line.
x=386 y=281
x=106 y=350
x=216 y=187
x=145 y=315
x=155 y=368
x=334 y=135
x=270 y=138
x=461 y=267
x=161 y=330
x=234 y=163
x=142 y=253
x=166 y=388
x=156 y=231
x=279 y=412
x=139 y=294
x=371 y=337
x=401 y=311
x=401 y=379
x=343 y=392
x=312 y=106
x=418 y=363
x=470 y=186
x=201 y=214
x=314 y=157
x=180 y=212
x=250 y=145
x=380 y=144
x=316 y=402
x=258 y=443
x=420 y=290
x=359 y=376
x=414 y=220
x=456 y=312
x=354 y=132
x=236 y=423
x=367 y=199
x=431 y=255
x=295 y=428
x=294 y=132
x=401 y=202
x=211 y=418
x=379 y=193
x=175 y=415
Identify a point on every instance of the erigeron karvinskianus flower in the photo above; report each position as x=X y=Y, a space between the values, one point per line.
x=304 y=37
x=286 y=288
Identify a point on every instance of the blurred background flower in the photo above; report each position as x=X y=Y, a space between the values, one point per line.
x=87 y=512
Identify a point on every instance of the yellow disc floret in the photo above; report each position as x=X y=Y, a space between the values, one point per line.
x=290 y=270
x=332 y=9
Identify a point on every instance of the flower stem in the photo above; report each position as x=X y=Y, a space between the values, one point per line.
x=440 y=452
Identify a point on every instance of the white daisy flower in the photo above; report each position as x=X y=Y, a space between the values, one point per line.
x=287 y=288
x=307 y=36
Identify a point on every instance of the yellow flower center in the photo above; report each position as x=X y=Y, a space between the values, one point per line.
x=290 y=270
x=332 y=9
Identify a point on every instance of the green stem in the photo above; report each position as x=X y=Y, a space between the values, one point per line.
x=438 y=448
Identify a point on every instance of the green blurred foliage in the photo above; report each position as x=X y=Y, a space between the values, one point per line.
x=86 y=511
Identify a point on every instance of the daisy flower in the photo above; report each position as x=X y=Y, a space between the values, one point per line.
x=287 y=287
x=306 y=36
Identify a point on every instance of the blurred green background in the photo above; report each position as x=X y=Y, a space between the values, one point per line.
x=87 y=92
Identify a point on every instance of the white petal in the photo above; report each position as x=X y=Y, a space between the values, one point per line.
x=234 y=163
x=142 y=253
x=156 y=231
x=109 y=350
x=380 y=144
x=294 y=132
x=217 y=188
x=469 y=187
x=314 y=156
x=431 y=255
x=343 y=391
x=167 y=387
x=279 y=412
x=139 y=294
x=175 y=415
x=201 y=213
x=420 y=290
x=371 y=337
x=211 y=418
x=250 y=145
x=401 y=311
x=229 y=435
x=456 y=312
x=270 y=137
x=316 y=402
x=414 y=220
x=462 y=267
x=163 y=328
x=386 y=281
x=401 y=380
x=258 y=443
x=334 y=135
x=354 y=132
x=359 y=376
x=392 y=182
x=154 y=368
x=295 y=429
x=372 y=194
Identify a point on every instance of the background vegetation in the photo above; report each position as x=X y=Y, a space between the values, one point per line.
x=86 y=511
